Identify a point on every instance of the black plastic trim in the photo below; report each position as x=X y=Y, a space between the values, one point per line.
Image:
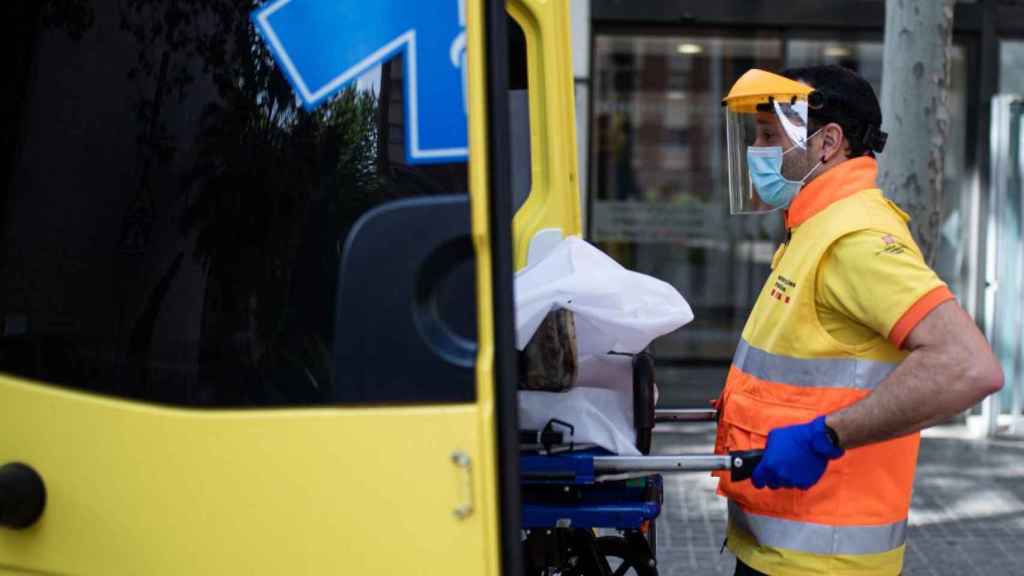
x=841 y=14
x=985 y=76
x=22 y=496
x=502 y=266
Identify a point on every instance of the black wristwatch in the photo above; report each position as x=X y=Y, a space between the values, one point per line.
x=832 y=436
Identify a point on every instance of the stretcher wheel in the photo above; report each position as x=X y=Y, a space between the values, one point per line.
x=643 y=400
x=624 y=558
x=578 y=552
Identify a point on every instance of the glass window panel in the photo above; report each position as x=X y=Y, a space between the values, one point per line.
x=864 y=57
x=1008 y=227
x=1011 y=67
x=658 y=189
x=1005 y=223
x=173 y=222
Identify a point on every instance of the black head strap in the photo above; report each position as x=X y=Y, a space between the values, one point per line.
x=874 y=139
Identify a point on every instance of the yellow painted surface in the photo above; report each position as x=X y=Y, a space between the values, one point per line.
x=554 y=200
x=486 y=473
x=759 y=86
x=136 y=489
x=139 y=489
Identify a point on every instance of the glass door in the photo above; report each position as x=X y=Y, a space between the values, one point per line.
x=1005 y=263
x=657 y=172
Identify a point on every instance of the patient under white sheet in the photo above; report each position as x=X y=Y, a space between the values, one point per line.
x=615 y=309
x=600 y=406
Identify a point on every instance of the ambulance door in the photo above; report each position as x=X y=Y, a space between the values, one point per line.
x=255 y=325
x=551 y=210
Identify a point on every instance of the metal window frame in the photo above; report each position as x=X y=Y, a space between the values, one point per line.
x=1001 y=113
x=837 y=14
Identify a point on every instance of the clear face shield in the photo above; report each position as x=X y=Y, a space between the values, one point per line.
x=758 y=137
x=765 y=119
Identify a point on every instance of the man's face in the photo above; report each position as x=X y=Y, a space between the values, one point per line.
x=795 y=164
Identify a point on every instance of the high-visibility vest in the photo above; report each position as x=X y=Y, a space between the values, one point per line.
x=788 y=370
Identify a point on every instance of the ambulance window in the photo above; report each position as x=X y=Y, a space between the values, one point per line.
x=172 y=221
x=519 y=114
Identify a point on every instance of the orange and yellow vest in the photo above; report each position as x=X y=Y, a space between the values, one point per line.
x=788 y=370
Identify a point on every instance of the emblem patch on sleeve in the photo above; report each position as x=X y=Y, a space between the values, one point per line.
x=891 y=246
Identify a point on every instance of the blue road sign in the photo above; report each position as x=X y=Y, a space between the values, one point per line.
x=324 y=45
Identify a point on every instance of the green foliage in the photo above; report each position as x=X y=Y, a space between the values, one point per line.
x=273 y=187
x=76 y=17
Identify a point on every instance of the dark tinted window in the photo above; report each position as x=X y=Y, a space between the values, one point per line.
x=173 y=223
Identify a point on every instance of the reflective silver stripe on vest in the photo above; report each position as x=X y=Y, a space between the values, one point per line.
x=819 y=538
x=815 y=373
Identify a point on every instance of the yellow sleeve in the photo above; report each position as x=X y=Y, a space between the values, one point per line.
x=873 y=279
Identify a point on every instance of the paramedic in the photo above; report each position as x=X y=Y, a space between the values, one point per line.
x=854 y=343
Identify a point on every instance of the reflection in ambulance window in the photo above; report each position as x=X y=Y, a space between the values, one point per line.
x=173 y=220
x=519 y=114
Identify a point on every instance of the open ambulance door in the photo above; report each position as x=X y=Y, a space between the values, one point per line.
x=250 y=333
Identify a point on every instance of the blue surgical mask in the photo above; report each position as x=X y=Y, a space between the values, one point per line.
x=765 y=166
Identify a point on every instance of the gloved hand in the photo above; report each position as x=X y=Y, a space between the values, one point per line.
x=796 y=456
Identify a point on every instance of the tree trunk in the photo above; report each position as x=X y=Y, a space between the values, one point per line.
x=915 y=86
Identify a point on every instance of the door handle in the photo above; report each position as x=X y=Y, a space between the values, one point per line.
x=465 y=466
x=22 y=495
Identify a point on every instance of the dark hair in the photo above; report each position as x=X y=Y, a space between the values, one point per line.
x=847 y=99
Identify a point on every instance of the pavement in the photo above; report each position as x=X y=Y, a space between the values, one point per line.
x=966 y=518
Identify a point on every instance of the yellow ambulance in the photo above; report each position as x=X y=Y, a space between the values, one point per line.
x=257 y=315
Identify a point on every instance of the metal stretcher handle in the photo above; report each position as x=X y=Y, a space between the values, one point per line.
x=686 y=415
x=743 y=464
x=740 y=464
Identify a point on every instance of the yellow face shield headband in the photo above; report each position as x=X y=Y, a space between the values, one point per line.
x=762 y=110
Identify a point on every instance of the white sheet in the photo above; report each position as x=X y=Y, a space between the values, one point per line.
x=600 y=406
x=615 y=310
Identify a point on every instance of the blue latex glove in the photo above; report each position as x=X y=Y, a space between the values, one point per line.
x=796 y=456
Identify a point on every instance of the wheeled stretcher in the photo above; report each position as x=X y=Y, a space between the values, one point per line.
x=590 y=512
